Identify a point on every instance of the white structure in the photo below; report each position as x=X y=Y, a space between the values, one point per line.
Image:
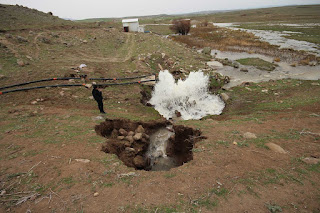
x=130 y=25
x=141 y=29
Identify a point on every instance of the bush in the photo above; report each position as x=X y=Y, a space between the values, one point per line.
x=181 y=26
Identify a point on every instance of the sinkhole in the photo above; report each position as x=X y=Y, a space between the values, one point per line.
x=151 y=146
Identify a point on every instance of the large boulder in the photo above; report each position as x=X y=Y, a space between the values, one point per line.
x=123 y=132
x=137 y=136
x=140 y=129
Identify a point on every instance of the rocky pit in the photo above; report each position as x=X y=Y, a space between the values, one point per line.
x=151 y=146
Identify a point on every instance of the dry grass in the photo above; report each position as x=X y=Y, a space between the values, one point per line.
x=221 y=38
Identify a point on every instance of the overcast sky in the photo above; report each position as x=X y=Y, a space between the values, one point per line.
x=82 y=9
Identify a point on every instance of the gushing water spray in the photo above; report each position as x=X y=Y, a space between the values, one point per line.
x=189 y=97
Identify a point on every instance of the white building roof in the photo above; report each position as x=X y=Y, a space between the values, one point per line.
x=130 y=20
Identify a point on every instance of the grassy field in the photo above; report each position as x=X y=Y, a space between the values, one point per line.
x=44 y=133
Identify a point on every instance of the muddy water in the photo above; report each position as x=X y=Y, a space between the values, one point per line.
x=283 y=70
x=157 y=153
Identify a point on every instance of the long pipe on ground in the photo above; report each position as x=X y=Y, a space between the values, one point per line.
x=56 y=79
x=72 y=85
x=37 y=81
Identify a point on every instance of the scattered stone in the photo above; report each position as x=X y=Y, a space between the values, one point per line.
x=123 y=132
x=130 y=174
x=311 y=160
x=277 y=60
x=2 y=192
x=140 y=129
x=82 y=160
x=214 y=64
x=145 y=136
x=236 y=66
x=163 y=55
x=129 y=149
x=249 y=135
x=316 y=155
x=116 y=164
x=224 y=97
x=84 y=41
x=137 y=136
x=20 y=62
x=315 y=84
x=97 y=118
x=29 y=57
x=293 y=65
x=21 y=39
x=248 y=88
x=312 y=63
x=139 y=161
x=95 y=194
x=61 y=93
x=8 y=35
x=120 y=137
x=244 y=70
x=2 y=77
x=44 y=39
x=34 y=102
x=235 y=143
x=276 y=148
x=206 y=51
x=265 y=91
x=177 y=113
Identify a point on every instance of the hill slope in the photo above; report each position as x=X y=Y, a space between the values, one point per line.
x=15 y=17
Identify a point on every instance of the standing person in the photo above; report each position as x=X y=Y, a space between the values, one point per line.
x=98 y=97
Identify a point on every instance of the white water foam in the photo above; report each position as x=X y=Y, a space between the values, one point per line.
x=190 y=97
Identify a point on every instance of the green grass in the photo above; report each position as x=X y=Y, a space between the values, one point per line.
x=258 y=63
x=159 y=29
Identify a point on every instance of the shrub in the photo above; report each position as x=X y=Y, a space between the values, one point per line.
x=181 y=26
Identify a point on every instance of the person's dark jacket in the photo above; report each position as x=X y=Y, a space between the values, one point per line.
x=97 y=94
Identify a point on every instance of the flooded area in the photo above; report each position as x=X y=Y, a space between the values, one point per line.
x=283 y=70
x=278 y=38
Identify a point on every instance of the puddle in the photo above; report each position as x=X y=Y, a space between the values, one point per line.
x=151 y=146
x=282 y=71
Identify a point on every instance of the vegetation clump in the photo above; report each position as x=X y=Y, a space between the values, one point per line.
x=181 y=26
x=258 y=63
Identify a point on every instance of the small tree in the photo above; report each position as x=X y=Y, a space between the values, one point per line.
x=181 y=26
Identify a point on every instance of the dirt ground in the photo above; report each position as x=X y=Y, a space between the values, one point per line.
x=41 y=142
